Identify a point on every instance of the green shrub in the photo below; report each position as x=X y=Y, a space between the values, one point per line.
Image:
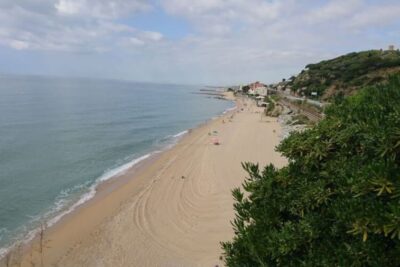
x=300 y=119
x=337 y=202
x=354 y=69
x=270 y=107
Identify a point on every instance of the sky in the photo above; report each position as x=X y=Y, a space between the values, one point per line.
x=214 y=42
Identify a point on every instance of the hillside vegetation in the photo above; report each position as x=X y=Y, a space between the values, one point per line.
x=337 y=202
x=346 y=74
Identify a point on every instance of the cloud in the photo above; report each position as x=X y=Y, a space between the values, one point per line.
x=226 y=40
x=103 y=9
x=222 y=16
x=69 y=7
x=142 y=38
x=225 y=9
x=243 y=40
x=151 y=36
x=134 y=41
x=334 y=10
x=19 y=45
x=381 y=15
x=69 y=25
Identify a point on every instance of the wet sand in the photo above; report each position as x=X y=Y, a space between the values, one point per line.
x=171 y=210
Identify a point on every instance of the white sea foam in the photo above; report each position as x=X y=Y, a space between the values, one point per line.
x=223 y=113
x=93 y=188
x=113 y=173
x=229 y=109
x=170 y=141
x=122 y=169
x=181 y=134
x=62 y=200
x=3 y=252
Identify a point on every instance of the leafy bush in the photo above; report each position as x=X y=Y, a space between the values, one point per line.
x=337 y=202
x=270 y=107
x=275 y=98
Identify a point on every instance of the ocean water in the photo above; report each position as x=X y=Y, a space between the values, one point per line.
x=60 y=137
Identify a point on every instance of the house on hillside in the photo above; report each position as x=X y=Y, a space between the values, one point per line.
x=255 y=85
x=258 y=88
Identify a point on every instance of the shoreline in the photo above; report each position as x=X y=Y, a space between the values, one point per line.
x=109 y=201
x=99 y=185
x=103 y=185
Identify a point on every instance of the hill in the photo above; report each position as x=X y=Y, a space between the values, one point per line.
x=346 y=74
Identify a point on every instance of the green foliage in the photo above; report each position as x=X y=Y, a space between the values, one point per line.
x=270 y=107
x=273 y=109
x=276 y=97
x=306 y=105
x=337 y=202
x=271 y=104
x=354 y=70
x=300 y=119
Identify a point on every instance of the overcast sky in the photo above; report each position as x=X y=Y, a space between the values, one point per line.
x=188 y=41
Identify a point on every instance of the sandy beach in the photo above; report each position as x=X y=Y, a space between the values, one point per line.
x=171 y=210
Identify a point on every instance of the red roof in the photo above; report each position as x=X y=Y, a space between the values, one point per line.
x=256 y=85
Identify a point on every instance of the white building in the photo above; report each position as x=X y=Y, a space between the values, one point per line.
x=262 y=90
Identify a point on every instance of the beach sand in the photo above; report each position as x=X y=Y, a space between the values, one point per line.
x=171 y=210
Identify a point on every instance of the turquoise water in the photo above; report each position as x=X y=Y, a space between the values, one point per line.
x=59 y=137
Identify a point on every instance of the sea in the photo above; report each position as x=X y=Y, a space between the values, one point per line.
x=61 y=137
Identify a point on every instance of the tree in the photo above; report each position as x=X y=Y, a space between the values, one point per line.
x=245 y=89
x=337 y=202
